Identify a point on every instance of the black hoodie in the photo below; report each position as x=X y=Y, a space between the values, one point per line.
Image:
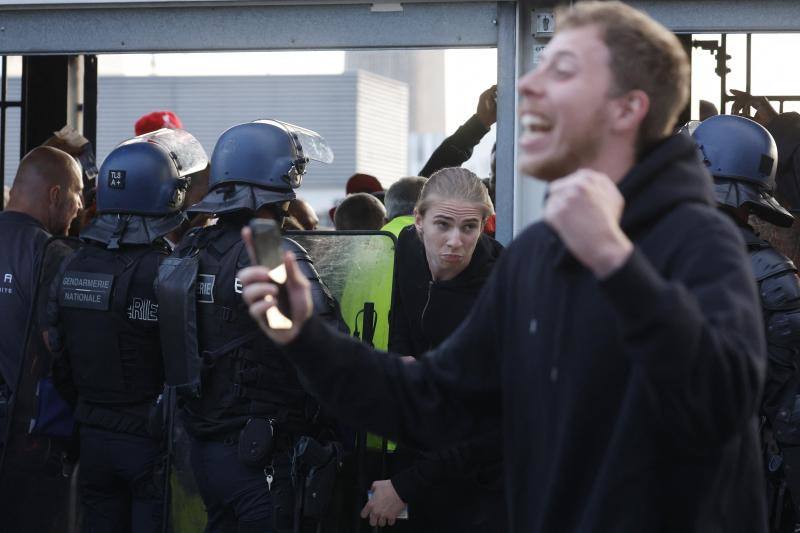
x=459 y=488
x=426 y=312
x=629 y=404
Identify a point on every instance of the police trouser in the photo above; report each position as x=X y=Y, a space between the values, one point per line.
x=121 y=481
x=236 y=497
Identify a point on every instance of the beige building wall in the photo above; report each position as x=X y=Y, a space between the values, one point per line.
x=422 y=70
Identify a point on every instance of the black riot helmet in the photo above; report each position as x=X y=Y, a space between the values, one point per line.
x=148 y=175
x=259 y=163
x=742 y=156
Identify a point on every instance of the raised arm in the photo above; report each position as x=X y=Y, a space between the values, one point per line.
x=430 y=403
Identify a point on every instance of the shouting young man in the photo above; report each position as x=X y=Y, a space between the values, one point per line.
x=618 y=340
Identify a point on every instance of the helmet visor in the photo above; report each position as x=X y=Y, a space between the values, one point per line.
x=186 y=151
x=309 y=143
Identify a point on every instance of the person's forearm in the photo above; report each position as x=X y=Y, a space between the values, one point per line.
x=456 y=148
x=374 y=390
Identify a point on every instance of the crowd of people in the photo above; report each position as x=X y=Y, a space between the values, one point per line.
x=629 y=363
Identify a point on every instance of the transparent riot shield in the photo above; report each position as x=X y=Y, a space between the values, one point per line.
x=38 y=489
x=358 y=268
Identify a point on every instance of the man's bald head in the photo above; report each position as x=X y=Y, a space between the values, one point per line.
x=360 y=211
x=45 y=165
x=48 y=187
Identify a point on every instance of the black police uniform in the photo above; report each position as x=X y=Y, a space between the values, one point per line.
x=244 y=380
x=103 y=313
x=23 y=239
x=241 y=402
x=104 y=307
x=34 y=478
x=779 y=288
x=742 y=156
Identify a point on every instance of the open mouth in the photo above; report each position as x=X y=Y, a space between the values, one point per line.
x=535 y=129
x=534 y=123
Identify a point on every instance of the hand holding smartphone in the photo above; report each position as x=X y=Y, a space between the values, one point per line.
x=266 y=241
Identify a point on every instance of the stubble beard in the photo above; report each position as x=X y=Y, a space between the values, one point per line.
x=581 y=150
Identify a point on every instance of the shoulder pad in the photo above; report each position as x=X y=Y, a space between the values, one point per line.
x=769 y=262
x=781 y=291
x=291 y=245
x=783 y=328
x=188 y=241
x=751 y=239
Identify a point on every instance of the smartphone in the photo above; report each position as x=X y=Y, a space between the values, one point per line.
x=267 y=248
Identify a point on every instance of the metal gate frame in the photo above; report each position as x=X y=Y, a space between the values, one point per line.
x=86 y=26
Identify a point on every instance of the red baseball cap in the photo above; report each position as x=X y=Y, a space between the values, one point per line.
x=363 y=183
x=157 y=120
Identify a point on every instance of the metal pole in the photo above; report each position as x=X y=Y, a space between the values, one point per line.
x=749 y=62
x=3 y=129
x=723 y=50
x=505 y=168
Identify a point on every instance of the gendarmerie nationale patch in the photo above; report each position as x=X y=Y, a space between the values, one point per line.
x=86 y=290
x=205 y=288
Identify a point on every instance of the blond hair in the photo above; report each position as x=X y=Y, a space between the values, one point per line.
x=455 y=183
x=644 y=55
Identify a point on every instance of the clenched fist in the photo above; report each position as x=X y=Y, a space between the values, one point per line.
x=584 y=210
x=487 y=107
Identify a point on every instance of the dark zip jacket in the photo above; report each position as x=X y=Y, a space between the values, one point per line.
x=458 y=488
x=426 y=312
x=629 y=404
x=24 y=240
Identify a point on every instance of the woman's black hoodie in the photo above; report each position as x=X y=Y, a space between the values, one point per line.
x=426 y=312
x=457 y=488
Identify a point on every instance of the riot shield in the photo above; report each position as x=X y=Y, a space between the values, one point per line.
x=358 y=268
x=37 y=488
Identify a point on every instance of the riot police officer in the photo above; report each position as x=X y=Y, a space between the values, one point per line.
x=239 y=400
x=742 y=157
x=104 y=329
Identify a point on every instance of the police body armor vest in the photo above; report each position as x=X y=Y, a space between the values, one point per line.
x=243 y=374
x=779 y=291
x=109 y=316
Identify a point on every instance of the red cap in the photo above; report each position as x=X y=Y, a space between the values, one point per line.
x=157 y=120
x=363 y=183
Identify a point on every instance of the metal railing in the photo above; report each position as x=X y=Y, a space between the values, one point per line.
x=4 y=105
